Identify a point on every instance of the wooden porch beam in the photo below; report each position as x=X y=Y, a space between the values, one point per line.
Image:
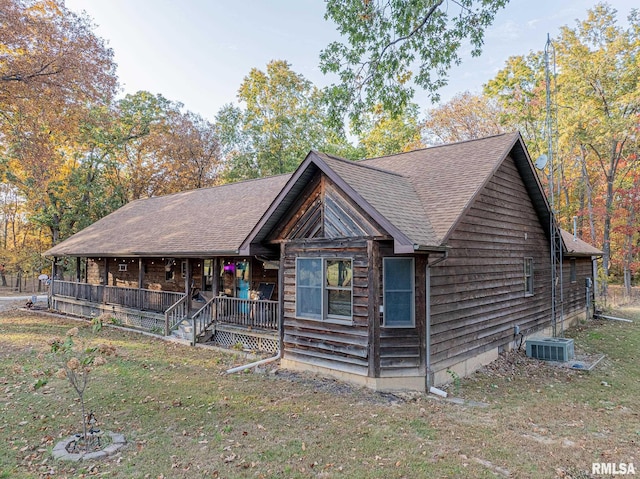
x=187 y=285
x=106 y=279
x=373 y=281
x=281 y=299
x=215 y=285
x=140 y=274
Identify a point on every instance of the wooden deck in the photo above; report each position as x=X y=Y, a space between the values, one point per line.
x=163 y=311
x=141 y=299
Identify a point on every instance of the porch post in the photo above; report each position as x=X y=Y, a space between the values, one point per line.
x=77 y=286
x=106 y=271
x=215 y=284
x=203 y=278
x=106 y=280
x=77 y=269
x=374 y=308
x=427 y=349
x=54 y=267
x=140 y=274
x=187 y=286
x=140 y=283
x=281 y=300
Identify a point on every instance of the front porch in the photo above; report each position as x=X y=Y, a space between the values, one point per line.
x=227 y=321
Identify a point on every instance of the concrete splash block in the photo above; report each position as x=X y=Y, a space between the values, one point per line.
x=60 y=449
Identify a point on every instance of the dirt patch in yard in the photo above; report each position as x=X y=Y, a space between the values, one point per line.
x=319 y=384
x=10 y=304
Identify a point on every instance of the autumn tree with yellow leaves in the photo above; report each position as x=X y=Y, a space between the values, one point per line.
x=70 y=153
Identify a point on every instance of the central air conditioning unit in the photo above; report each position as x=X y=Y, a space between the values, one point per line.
x=550 y=349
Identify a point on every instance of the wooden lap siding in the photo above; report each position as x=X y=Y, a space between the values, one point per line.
x=478 y=293
x=346 y=346
x=575 y=293
x=320 y=215
x=325 y=223
x=402 y=350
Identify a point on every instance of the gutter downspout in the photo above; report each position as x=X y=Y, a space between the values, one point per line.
x=428 y=317
x=237 y=369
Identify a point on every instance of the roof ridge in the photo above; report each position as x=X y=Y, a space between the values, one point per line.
x=357 y=163
x=212 y=187
x=443 y=145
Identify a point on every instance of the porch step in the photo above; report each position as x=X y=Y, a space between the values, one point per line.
x=184 y=330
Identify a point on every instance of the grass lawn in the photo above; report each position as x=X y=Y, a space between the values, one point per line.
x=184 y=418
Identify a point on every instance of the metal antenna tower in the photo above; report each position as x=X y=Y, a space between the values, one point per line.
x=557 y=307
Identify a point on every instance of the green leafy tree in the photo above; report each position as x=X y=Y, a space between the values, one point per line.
x=385 y=134
x=392 y=47
x=282 y=118
x=133 y=144
x=519 y=90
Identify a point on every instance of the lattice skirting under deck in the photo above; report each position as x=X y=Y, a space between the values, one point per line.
x=233 y=339
x=135 y=319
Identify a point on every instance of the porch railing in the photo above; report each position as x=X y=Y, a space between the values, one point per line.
x=203 y=318
x=174 y=314
x=251 y=314
x=261 y=314
x=143 y=299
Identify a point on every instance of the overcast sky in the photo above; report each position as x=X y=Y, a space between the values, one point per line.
x=197 y=52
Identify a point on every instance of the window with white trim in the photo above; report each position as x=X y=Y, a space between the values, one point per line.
x=528 y=276
x=399 y=292
x=324 y=288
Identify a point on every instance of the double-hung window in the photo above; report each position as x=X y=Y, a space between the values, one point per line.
x=399 y=292
x=324 y=288
x=528 y=276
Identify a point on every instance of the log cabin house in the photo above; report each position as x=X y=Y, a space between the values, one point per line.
x=387 y=272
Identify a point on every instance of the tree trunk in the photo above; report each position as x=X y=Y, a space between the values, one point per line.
x=606 y=235
x=588 y=193
x=630 y=231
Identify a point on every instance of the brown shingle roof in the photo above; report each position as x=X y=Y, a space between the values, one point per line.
x=391 y=194
x=196 y=222
x=577 y=247
x=420 y=196
x=446 y=178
